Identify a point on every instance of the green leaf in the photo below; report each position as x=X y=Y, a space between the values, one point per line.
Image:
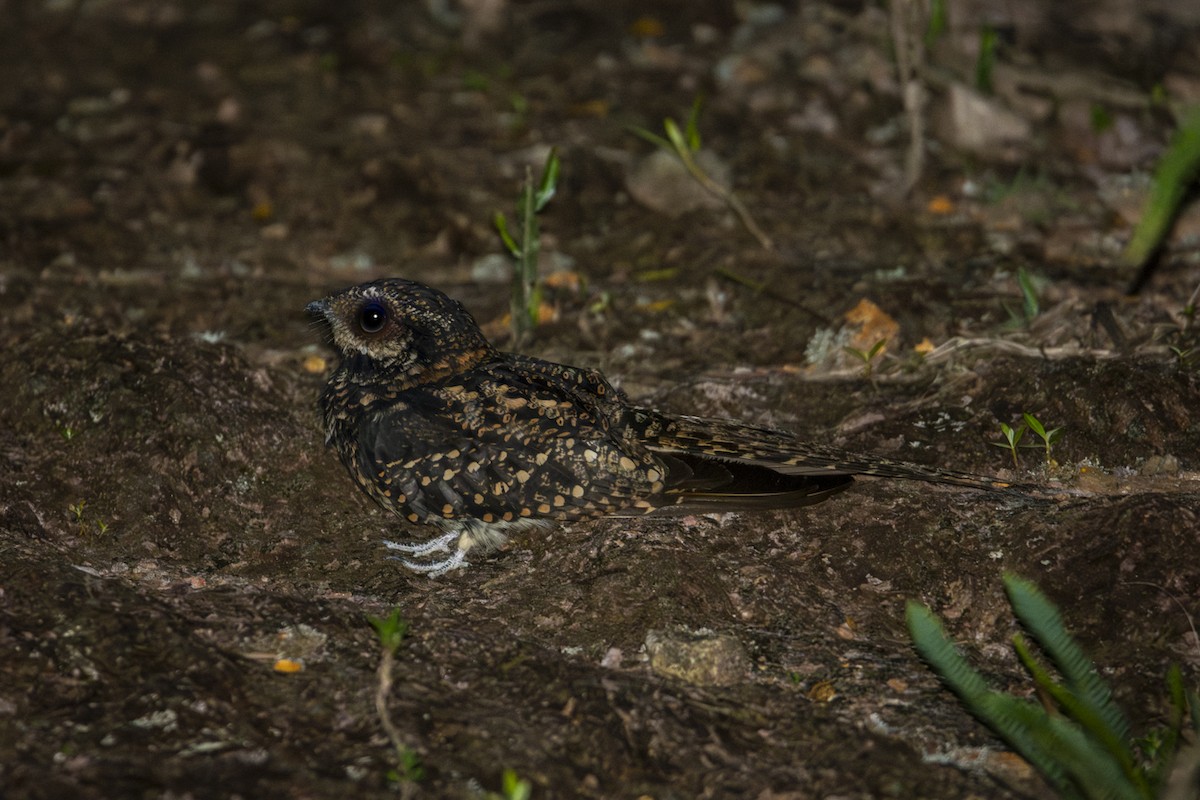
x=1045 y=625
x=548 y=185
x=1005 y=715
x=515 y=787
x=652 y=138
x=1092 y=724
x=1073 y=763
x=1012 y=435
x=987 y=59
x=1029 y=294
x=675 y=137
x=391 y=629
x=1101 y=118
x=1034 y=424
x=930 y=640
x=1061 y=751
x=1176 y=171
x=501 y=224
x=693 y=124
x=859 y=354
x=411 y=766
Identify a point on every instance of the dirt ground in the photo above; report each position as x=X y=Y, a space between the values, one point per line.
x=177 y=180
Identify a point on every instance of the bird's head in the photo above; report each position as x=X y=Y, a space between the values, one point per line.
x=404 y=327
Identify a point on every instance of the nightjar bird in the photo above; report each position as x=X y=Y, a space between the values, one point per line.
x=441 y=428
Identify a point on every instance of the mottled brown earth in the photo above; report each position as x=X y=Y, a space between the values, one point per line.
x=177 y=180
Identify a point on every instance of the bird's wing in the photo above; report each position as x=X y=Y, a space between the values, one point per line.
x=500 y=447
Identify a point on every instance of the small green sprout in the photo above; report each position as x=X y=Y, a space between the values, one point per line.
x=1013 y=436
x=1048 y=437
x=868 y=357
x=409 y=767
x=67 y=433
x=102 y=526
x=77 y=510
x=391 y=631
x=1029 y=295
x=1031 y=304
x=512 y=787
x=526 y=297
x=1012 y=440
x=1184 y=356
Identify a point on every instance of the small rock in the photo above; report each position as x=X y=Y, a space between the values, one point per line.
x=492 y=268
x=1160 y=465
x=701 y=657
x=980 y=124
x=661 y=183
x=612 y=658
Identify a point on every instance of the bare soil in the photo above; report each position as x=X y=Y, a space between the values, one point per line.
x=177 y=180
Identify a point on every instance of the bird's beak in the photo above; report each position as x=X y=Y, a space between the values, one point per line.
x=318 y=308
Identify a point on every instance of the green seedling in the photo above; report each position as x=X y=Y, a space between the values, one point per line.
x=868 y=357
x=1077 y=737
x=1184 y=356
x=526 y=297
x=78 y=513
x=76 y=510
x=512 y=787
x=1031 y=304
x=684 y=144
x=1012 y=440
x=1012 y=436
x=67 y=433
x=391 y=631
x=409 y=767
x=1048 y=437
x=1028 y=185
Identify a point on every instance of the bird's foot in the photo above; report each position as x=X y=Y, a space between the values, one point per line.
x=432 y=568
x=420 y=549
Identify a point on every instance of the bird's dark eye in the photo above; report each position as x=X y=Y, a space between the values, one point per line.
x=372 y=318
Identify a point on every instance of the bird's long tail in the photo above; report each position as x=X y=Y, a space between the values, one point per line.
x=695 y=440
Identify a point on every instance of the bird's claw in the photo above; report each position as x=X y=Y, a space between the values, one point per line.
x=441 y=544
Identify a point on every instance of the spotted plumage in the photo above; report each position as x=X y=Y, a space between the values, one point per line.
x=441 y=428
